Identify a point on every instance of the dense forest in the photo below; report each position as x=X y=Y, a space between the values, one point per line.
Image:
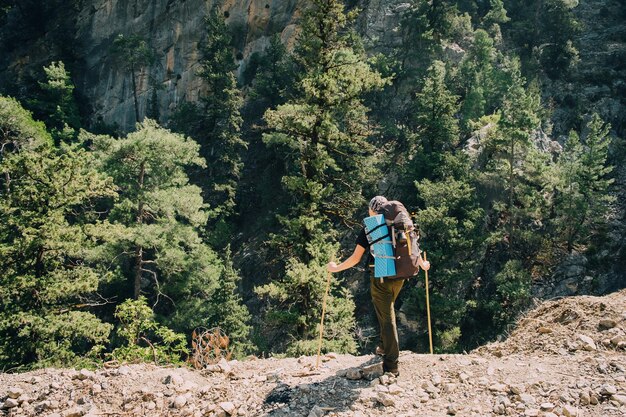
x=116 y=245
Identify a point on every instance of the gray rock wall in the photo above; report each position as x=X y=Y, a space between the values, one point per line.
x=174 y=29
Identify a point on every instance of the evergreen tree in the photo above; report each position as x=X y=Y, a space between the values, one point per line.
x=545 y=30
x=46 y=284
x=582 y=185
x=514 y=164
x=153 y=228
x=436 y=130
x=478 y=75
x=451 y=227
x=215 y=123
x=132 y=53
x=56 y=105
x=322 y=133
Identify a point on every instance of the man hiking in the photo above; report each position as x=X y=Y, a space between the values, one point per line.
x=383 y=291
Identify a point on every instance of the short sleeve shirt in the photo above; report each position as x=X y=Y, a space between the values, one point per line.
x=362 y=241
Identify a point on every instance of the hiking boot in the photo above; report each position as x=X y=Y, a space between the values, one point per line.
x=380 y=351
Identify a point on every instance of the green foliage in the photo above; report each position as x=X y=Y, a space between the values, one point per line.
x=512 y=292
x=581 y=185
x=295 y=306
x=154 y=224
x=544 y=30
x=56 y=105
x=132 y=53
x=153 y=237
x=215 y=121
x=18 y=129
x=46 y=287
x=224 y=308
x=145 y=340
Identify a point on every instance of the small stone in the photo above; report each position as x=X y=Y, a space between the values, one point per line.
x=354 y=374
x=621 y=399
x=429 y=387
x=549 y=414
x=515 y=389
x=15 y=392
x=504 y=400
x=436 y=379
x=395 y=389
x=228 y=407
x=531 y=412
x=544 y=330
x=449 y=388
x=584 y=398
x=499 y=409
x=588 y=343
x=96 y=389
x=150 y=405
x=452 y=410
x=73 y=412
x=593 y=399
x=385 y=399
x=332 y=355
x=11 y=403
x=463 y=376
x=36 y=380
x=547 y=406
x=527 y=399
x=372 y=371
x=180 y=401
x=606 y=324
x=569 y=411
x=85 y=374
x=607 y=390
x=173 y=379
x=384 y=379
x=316 y=411
x=123 y=370
x=23 y=399
x=498 y=388
x=224 y=366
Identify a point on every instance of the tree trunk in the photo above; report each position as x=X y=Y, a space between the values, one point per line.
x=138 y=248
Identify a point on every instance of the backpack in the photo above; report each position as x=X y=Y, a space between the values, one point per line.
x=404 y=238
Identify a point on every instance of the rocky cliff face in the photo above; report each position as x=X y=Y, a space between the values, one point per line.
x=174 y=30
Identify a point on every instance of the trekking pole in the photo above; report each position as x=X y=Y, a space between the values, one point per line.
x=430 y=333
x=319 y=346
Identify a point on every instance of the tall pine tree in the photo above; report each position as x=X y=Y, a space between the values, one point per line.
x=323 y=135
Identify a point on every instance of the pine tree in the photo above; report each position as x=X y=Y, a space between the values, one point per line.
x=56 y=105
x=47 y=285
x=582 y=185
x=153 y=242
x=132 y=53
x=215 y=123
x=514 y=163
x=322 y=133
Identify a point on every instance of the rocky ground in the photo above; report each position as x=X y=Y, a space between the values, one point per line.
x=566 y=358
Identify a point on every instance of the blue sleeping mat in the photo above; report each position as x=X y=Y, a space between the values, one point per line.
x=384 y=261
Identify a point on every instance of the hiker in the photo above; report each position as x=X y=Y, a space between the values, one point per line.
x=383 y=291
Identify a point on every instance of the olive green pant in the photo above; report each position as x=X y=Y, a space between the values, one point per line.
x=384 y=295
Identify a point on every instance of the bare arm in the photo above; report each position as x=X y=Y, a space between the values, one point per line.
x=348 y=263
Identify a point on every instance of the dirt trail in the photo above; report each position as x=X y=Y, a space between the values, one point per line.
x=566 y=358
